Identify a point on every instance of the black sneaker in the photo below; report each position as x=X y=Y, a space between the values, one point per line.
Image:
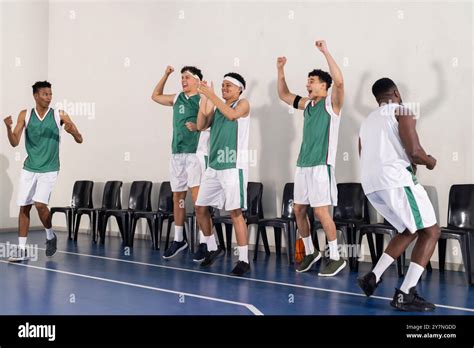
x=174 y=249
x=18 y=255
x=51 y=246
x=411 y=302
x=201 y=252
x=368 y=284
x=240 y=268
x=211 y=256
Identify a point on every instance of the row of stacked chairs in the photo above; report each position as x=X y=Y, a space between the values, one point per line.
x=351 y=217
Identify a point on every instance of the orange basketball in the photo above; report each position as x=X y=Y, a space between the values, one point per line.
x=300 y=252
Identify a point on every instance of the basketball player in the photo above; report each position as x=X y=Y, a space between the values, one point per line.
x=225 y=181
x=42 y=125
x=388 y=146
x=315 y=183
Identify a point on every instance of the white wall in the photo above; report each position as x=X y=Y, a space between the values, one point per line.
x=109 y=55
x=24 y=60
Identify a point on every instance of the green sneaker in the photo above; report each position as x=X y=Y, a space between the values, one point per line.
x=332 y=267
x=308 y=261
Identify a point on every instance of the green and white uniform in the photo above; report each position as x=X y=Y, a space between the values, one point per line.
x=185 y=169
x=202 y=151
x=315 y=181
x=225 y=181
x=41 y=167
x=387 y=176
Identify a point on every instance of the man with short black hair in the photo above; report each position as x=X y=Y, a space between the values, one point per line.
x=224 y=185
x=389 y=150
x=42 y=125
x=315 y=181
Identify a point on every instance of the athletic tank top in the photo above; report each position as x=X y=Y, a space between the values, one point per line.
x=229 y=141
x=185 y=109
x=320 y=134
x=42 y=137
x=384 y=162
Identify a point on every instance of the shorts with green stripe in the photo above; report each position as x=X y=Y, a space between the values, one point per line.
x=223 y=189
x=406 y=207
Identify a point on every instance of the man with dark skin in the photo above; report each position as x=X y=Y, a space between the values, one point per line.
x=390 y=150
x=42 y=125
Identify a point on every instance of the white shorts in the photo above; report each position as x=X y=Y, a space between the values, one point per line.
x=185 y=171
x=315 y=186
x=35 y=187
x=404 y=207
x=224 y=189
x=203 y=161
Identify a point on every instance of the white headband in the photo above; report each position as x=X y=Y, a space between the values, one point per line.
x=192 y=75
x=234 y=81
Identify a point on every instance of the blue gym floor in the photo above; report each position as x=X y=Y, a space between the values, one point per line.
x=85 y=278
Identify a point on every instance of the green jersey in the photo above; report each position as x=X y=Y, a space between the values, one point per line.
x=42 y=138
x=185 y=109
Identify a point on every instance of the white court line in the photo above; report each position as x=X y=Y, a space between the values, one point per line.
x=252 y=279
x=250 y=307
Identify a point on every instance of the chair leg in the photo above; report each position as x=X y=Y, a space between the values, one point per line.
x=94 y=226
x=228 y=237
x=133 y=227
x=220 y=235
x=288 y=237
x=151 y=227
x=399 y=267
x=158 y=231
x=464 y=242
x=314 y=236
x=192 y=233
x=69 y=224
x=442 y=254
x=168 y=232
x=76 y=227
x=429 y=267
x=277 y=231
x=266 y=246
x=103 y=227
x=379 y=246
x=257 y=240
x=373 y=255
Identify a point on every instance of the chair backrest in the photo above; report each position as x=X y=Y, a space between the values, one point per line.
x=287 y=201
x=351 y=202
x=165 y=198
x=461 y=206
x=82 y=194
x=140 y=196
x=254 y=199
x=111 y=198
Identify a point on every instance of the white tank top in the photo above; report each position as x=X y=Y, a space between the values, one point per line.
x=384 y=161
x=203 y=144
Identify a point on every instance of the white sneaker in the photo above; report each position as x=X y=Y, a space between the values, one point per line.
x=18 y=255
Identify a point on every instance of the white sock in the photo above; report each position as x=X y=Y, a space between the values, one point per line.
x=211 y=243
x=202 y=237
x=384 y=262
x=22 y=242
x=178 y=233
x=413 y=275
x=333 y=252
x=49 y=233
x=308 y=245
x=243 y=253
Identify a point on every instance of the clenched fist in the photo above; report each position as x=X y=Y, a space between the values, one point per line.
x=169 y=70
x=281 y=61
x=321 y=45
x=8 y=121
